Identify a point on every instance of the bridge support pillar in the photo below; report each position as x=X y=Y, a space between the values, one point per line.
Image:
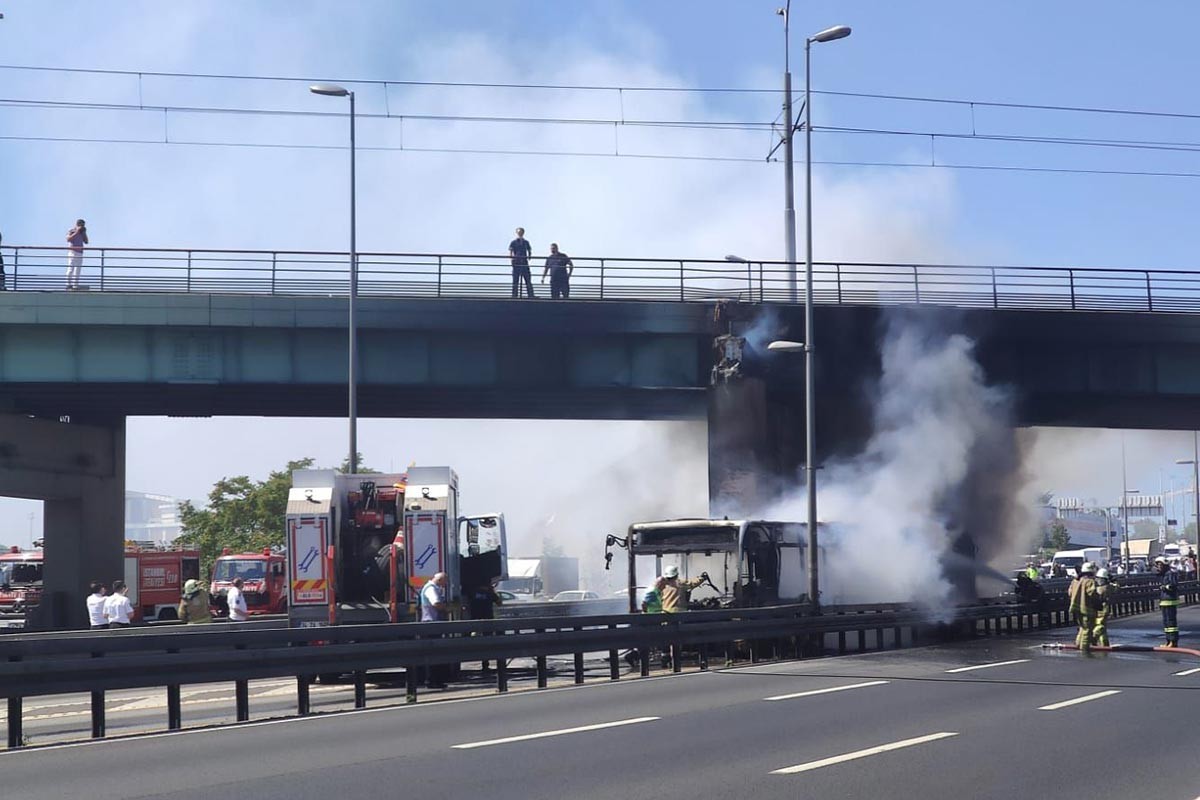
x=78 y=471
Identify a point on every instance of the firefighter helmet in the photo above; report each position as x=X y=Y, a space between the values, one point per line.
x=1160 y=560
x=671 y=572
x=1102 y=573
x=1088 y=568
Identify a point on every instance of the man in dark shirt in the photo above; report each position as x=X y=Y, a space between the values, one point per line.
x=520 y=250
x=559 y=266
x=483 y=604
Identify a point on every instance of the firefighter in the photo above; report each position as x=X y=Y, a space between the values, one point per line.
x=194 y=605
x=1168 y=600
x=1104 y=598
x=1083 y=605
x=673 y=592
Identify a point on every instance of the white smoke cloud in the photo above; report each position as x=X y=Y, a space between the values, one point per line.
x=898 y=507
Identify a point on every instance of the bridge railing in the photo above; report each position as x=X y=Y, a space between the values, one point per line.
x=38 y=664
x=317 y=273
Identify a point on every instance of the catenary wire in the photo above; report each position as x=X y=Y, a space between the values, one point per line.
x=597 y=154
x=617 y=88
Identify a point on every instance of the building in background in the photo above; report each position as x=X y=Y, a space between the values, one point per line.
x=151 y=518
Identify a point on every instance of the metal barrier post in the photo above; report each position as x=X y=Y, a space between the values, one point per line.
x=439 y=280
x=541 y=666
x=189 y=271
x=602 y=279
x=274 y=257
x=1071 y=278
x=614 y=661
x=16 y=735
x=16 y=268
x=760 y=281
x=410 y=684
x=579 y=668
x=303 y=699
x=838 y=267
x=501 y=675
x=174 y=708
x=681 y=295
x=995 y=294
x=1149 y=293
x=241 y=691
x=98 y=714
x=916 y=284
x=102 y=269
x=360 y=689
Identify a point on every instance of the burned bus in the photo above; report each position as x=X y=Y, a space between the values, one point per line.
x=749 y=562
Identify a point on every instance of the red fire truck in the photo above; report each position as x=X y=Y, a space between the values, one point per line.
x=264 y=577
x=20 y=580
x=155 y=578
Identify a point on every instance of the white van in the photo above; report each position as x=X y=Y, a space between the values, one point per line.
x=1071 y=560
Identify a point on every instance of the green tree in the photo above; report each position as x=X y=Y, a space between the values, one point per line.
x=363 y=469
x=242 y=514
x=1060 y=538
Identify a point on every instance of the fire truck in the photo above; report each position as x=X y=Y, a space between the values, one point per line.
x=20 y=580
x=361 y=547
x=155 y=577
x=264 y=577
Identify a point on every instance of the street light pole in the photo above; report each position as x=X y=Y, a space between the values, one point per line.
x=333 y=90
x=789 y=181
x=1124 y=509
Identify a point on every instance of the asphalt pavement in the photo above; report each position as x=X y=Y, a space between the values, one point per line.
x=1000 y=717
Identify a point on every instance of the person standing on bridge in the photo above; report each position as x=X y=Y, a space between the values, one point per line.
x=1168 y=600
x=194 y=607
x=95 y=607
x=434 y=608
x=76 y=238
x=560 y=267
x=519 y=249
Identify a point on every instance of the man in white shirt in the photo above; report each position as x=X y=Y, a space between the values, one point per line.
x=236 y=601
x=95 y=607
x=117 y=607
x=434 y=609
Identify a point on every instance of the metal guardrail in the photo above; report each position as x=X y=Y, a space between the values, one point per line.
x=325 y=273
x=35 y=665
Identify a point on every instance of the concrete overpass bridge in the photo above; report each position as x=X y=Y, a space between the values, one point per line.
x=204 y=333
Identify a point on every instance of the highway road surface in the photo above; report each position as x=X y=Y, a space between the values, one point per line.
x=990 y=718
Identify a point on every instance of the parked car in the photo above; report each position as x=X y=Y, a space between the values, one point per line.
x=512 y=597
x=574 y=595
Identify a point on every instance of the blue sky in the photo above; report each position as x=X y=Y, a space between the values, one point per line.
x=1069 y=53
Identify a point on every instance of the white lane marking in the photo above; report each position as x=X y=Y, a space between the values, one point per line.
x=1188 y=672
x=1078 y=700
x=870 y=751
x=560 y=732
x=825 y=691
x=988 y=666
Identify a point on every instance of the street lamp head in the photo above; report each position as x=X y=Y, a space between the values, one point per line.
x=830 y=34
x=1184 y=461
x=329 y=89
x=784 y=346
x=740 y=260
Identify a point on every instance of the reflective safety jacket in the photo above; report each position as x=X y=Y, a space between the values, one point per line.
x=1168 y=590
x=1104 y=595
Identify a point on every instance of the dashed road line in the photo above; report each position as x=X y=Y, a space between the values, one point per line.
x=560 y=732
x=1086 y=698
x=987 y=666
x=870 y=751
x=812 y=692
x=1188 y=672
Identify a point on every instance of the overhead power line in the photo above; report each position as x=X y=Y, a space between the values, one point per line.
x=615 y=88
x=600 y=154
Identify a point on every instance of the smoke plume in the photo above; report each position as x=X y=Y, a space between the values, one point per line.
x=935 y=491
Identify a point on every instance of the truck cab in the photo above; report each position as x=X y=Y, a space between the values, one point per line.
x=20 y=580
x=264 y=580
